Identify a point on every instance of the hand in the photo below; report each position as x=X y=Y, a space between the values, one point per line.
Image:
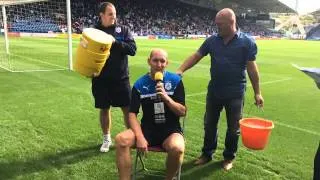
x=259 y=100
x=161 y=91
x=142 y=144
x=179 y=72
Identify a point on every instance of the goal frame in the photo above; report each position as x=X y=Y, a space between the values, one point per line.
x=5 y=3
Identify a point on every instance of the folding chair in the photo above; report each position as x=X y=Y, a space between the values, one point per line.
x=139 y=156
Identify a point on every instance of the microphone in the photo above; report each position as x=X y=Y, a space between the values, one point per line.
x=158 y=76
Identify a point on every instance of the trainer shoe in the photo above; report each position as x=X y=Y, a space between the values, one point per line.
x=105 y=145
x=227 y=164
x=202 y=160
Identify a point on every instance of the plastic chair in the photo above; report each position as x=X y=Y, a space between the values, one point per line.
x=139 y=156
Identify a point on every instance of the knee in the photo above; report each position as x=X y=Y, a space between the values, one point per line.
x=177 y=149
x=121 y=141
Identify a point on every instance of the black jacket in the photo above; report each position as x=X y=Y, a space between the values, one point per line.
x=116 y=67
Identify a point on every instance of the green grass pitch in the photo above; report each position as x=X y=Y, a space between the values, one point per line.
x=49 y=127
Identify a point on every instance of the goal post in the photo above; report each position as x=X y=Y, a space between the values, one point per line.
x=36 y=35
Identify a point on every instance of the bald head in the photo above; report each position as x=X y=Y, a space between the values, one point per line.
x=226 y=22
x=158 y=52
x=227 y=14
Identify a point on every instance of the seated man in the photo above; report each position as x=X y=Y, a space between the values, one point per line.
x=163 y=102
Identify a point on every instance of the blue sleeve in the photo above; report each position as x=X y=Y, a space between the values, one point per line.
x=252 y=50
x=204 y=48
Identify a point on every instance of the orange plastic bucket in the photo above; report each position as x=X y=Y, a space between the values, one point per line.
x=255 y=132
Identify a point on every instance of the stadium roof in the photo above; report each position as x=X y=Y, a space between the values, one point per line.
x=303 y=6
x=258 y=6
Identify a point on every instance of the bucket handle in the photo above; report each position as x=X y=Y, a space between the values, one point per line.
x=259 y=108
x=251 y=107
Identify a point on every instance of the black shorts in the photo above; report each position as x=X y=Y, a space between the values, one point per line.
x=110 y=93
x=156 y=138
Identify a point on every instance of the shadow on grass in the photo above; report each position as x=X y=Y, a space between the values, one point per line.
x=190 y=171
x=9 y=170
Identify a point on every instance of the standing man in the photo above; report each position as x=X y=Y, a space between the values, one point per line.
x=163 y=103
x=112 y=87
x=232 y=52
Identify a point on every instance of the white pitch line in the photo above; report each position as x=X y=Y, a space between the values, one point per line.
x=40 y=70
x=297 y=128
x=263 y=83
x=37 y=60
x=278 y=123
x=271 y=82
x=5 y=68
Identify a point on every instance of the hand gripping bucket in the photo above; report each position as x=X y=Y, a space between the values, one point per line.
x=255 y=132
x=92 y=52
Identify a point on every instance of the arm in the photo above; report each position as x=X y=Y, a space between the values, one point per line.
x=189 y=62
x=141 y=142
x=176 y=107
x=253 y=73
x=128 y=46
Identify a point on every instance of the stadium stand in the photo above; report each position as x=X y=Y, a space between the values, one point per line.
x=161 y=17
x=314 y=33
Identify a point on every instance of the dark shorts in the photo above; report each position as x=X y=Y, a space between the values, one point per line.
x=109 y=93
x=156 y=138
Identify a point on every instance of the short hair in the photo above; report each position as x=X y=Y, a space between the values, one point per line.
x=103 y=6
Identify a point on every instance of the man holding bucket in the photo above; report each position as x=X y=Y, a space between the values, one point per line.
x=112 y=87
x=232 y=52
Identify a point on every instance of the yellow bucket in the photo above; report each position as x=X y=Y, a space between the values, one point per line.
x=92 y=52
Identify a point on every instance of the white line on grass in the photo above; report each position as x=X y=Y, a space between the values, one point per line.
x=5 y=68
x=268 y=82
x=41 y=70
x=297 y=128
x=278 y=123
x=37 y=60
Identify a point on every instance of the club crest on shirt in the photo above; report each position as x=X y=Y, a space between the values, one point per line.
x=168 y=86
x=118 y=29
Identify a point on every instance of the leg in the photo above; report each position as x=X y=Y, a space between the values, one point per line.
x=124 y=141
x=211 y=119
x=125 y=111
x=105 y=120
x=316 y=174
x=234 y=109
x=174 y=145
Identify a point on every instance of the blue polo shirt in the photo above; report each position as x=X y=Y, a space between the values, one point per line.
x=228 y=63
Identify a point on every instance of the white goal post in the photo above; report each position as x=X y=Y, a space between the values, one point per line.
x=45 y=22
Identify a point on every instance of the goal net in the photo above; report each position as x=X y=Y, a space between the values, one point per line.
x=33 y=35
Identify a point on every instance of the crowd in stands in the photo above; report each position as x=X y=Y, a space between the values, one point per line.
x=158 y=17
x=161 y=17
